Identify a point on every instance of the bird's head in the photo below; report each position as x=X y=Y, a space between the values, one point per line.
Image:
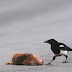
x=50 y=41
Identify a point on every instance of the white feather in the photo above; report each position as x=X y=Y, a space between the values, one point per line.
x=61 y=46
x=63 y=52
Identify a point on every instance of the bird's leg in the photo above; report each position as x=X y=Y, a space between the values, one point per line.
x=66 y=59
x=51 y=60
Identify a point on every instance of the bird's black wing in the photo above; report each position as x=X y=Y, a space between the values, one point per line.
x=64 y=47
x=55 y=48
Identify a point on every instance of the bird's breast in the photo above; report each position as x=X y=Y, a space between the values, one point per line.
x=55 y=50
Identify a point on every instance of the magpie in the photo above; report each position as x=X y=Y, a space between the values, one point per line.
x=58 y=49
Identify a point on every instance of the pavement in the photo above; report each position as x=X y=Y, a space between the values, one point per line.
x=26 y=24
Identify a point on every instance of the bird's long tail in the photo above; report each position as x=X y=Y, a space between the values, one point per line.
x=70 y=50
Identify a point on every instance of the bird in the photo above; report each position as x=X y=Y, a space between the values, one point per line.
x=58 y=49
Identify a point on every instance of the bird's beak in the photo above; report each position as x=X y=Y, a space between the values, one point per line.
x=45 y=41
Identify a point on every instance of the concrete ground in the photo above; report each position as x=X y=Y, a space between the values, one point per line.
x=26 y=24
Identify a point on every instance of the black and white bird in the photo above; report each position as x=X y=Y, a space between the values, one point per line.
x=58 y=49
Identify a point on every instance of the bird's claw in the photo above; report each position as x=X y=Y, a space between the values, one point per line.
x=65 y=62
x=48 y=64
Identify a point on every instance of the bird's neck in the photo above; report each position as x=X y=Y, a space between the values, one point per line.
x=54 y=44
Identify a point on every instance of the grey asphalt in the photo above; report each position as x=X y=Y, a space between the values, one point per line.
x=26 y=24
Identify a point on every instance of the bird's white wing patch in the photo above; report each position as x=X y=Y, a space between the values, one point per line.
x=63 y=52
x=61 y=46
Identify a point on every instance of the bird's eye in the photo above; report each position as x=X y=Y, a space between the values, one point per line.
x=61 y=46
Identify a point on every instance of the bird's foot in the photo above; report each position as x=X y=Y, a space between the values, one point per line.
x=48 y=64
x=65 y=62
